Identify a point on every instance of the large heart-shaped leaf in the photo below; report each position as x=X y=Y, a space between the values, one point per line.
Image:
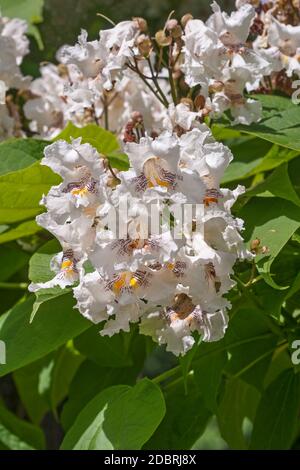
x=120 y=417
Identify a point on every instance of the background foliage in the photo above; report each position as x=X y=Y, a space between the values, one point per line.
x=66 y=386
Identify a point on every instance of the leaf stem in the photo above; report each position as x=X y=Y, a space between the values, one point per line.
x=252 y=275
x=166 y=375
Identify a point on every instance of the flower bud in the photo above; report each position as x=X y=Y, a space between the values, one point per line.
x=144 y=45
x=256 y=248
x=136 y=117
x=174 y=28
x=171 y=24
x=141 y=23
x=185 y=19
x=265 y=250
x=162 y=40
x=254 y=244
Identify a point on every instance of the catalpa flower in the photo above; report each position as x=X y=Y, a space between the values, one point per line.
x=13 y=47
x=46 y=108
x=67 y=267
x=175 y=325
x=286 y=39
x=216 y=54
x=117 y=43
x=86 y=55
x=154 y=165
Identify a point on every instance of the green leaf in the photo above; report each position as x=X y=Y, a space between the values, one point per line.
x=270 y=299
x=98 y=379
x=105 y=142
x=43 y=384
x=29 y=10
x=277 y=416
x=118 y=160
x=13 y=258
x=120 y=417
x=39 y=264
x=273 y=222
x=185 y=420
x=23 y=230
x=17 y=154
x=29 y=381
x=17 y=434
x=278 y=184
x=104 y=350
x=239 y=401
x=274 y=103
x=56 y=323
x=251 y=358
x=249 y=153
x=186 y=361
x=21 y=192
x=208 y=375
x=294 y=287
x=280 y=124
x=281 y=361
x=274 y=158
x=67 y=361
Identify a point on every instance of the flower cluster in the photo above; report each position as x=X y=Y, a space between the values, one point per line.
x=155 y=244
x=275 y=35
x=87 y=86
x=13 y=47
x=171 y=277
x=218 y=58
x=217 y=63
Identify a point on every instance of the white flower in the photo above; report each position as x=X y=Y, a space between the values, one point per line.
x=287 y=39
x=154 y=165
x=175 y=327
x=117 y=43
x=232 y=30
x=67 y=266
x=13 y=46
x=201 y=153
x=15 y=29
x=137 y=245
x=217 y=57
x=86 y=55
x=47 y=107
x=93 y=297
x=180 y=115
x=73 y=161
